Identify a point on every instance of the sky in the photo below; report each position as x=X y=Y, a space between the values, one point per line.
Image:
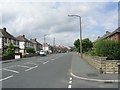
x=35 y=19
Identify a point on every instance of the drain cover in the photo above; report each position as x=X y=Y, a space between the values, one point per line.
x=92 y=74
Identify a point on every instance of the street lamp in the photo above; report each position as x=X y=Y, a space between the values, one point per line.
x=44 y=41
x=80 y=32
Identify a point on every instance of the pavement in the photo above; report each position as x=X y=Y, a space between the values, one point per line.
x=82 y=70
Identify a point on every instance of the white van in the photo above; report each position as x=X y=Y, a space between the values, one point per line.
x=43 y=53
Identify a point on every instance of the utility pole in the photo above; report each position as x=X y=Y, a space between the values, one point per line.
x=54 y=41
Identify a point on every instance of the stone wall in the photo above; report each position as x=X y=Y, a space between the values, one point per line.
x=101 y=64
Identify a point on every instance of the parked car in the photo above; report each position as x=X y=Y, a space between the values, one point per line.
x=43 y=53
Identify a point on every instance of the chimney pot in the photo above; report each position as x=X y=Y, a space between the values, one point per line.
x=23 y=35
x=4 y=29
x=107 y=32
x=98 y=36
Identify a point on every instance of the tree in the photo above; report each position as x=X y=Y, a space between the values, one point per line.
x=77 y=45
x=9 y=53
x=86 y=45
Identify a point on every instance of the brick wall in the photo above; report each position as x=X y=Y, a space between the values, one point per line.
x=116 y=37
x=101 y=64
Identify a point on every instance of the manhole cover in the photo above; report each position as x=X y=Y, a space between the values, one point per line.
x=92 y=74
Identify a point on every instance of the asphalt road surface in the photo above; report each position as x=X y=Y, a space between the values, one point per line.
x=52 y=71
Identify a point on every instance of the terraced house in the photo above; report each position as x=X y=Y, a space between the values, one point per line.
x=23 y=44
x=36 y=45
x=5 y=39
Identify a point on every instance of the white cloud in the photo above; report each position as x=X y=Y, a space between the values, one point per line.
x=39 y=18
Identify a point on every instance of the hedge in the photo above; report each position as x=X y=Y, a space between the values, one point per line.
x=107 y=48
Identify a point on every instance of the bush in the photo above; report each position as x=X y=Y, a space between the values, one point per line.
x=30 y=50
x=9 y=53
x=107 y=48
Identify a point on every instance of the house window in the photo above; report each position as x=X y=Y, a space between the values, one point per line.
x=17 y=42
x=9 y=40
x=14 y=42
x=5 y=40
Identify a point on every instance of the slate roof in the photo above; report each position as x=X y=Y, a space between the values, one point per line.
x=116 y=31
x=22 y=38
x=4 y=33
x=106 y=35
x=35 y=41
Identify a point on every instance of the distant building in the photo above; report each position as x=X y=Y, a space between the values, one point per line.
x=47 y=47
x=23 y=44
x=5 y=39
x=36 y=45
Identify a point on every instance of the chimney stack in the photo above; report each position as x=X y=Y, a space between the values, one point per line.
x=107 y=32
x=98 y=37
x=23 y=35
x=4 y=29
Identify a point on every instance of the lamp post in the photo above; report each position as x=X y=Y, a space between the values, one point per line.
x=44 y=41
x=80 y=32
x=54 y=45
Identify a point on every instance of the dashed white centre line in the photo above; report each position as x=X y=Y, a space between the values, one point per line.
x=31 y=68
x=69 y=86
x=6 y=78
x=70 y=82
x=10 y=70
x=45 y=62
x=70 y=78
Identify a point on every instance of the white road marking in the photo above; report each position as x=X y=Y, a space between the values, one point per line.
x=40 y=61
x=23 y=66
x=31 y=68
x=11 y=66
x=69 y=86
x=10 y=70
x=89 y=79
x=45 y=62
x=6 y=78
x=8 y=67
x=30 y=63
x=70 y=78
x=70 y=82
x=52 y=59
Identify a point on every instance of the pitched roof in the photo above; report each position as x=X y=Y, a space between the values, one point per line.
x=105 y=35
x=4 y=33
x=22 y=38
x=116 y=31
x=35 y=41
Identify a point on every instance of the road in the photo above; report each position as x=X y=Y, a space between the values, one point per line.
x=52 y=71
